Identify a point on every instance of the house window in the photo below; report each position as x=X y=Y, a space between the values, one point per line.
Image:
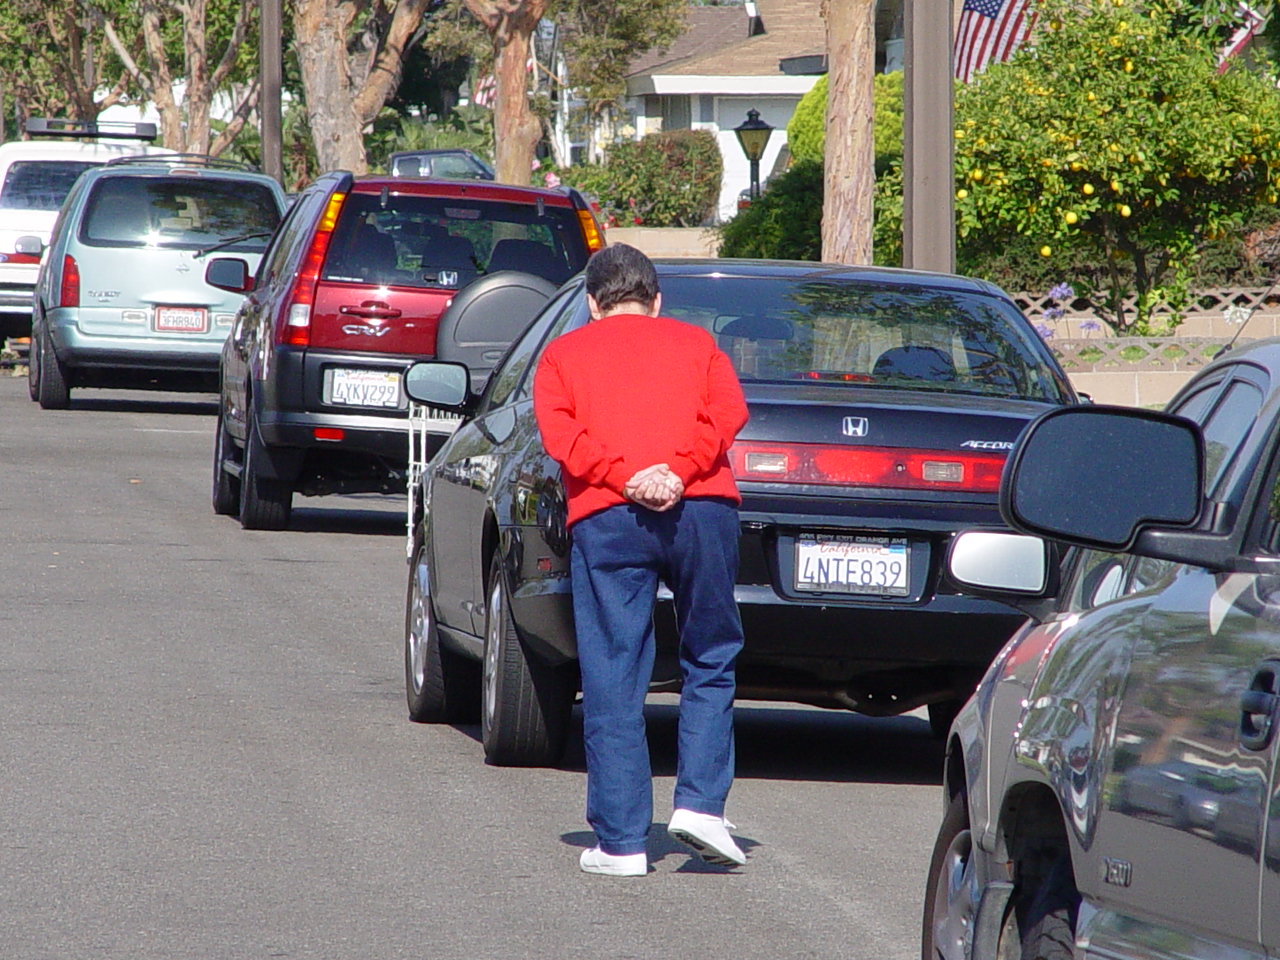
x=675 y=112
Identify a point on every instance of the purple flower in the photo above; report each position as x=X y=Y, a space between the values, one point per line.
x=1062 y=291
x=1044 y=331
x=1054 y=313
x=1090 y=325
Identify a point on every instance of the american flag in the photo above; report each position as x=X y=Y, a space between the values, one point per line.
x=486 y=91
x=1251 y=22
x=989 y=30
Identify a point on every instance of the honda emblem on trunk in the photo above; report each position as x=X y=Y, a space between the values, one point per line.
x=855 y=427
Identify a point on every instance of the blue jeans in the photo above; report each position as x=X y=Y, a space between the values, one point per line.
x=618 y=556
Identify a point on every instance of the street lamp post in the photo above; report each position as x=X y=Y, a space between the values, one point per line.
x=753 y=136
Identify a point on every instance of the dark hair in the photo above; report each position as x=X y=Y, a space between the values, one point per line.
x=618 y=274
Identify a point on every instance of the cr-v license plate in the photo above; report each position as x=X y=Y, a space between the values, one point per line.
x=851 y=563
x=364 y=388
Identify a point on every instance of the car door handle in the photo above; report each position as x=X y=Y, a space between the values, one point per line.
x=371 y=310
x=1258 y=708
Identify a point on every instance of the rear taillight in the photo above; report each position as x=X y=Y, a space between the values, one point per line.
x=866 y=466
x=591 y=231
x=294 y=328
x=69 y=291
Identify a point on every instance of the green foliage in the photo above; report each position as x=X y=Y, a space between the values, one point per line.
x=784 y=223
x=669 y=179
x=1115 y=139
x=467 y=127
x=806 y=136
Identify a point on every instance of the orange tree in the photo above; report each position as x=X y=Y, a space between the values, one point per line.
x=1115 y=136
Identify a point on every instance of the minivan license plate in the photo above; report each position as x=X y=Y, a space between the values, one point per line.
x=365 y=388
x=182 y=320
x=850 y=563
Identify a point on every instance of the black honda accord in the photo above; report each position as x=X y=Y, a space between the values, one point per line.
x=883 y=404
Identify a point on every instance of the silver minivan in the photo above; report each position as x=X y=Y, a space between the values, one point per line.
x=121 y=299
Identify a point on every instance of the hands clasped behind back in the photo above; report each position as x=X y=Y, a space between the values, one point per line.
x=656 y=488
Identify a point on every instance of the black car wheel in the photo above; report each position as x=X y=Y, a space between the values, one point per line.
x=226 y=488
x=52 y=388
x=1047 y=930
x=441 y=686
x=33 y=366
x=525 y=703
x=953 y=891
x=265 y=502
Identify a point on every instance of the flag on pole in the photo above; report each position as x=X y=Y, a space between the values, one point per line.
x=486 y=91
x=1251 y=23
x=989 y=30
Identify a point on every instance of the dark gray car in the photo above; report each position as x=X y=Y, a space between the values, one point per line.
x=1111 y=787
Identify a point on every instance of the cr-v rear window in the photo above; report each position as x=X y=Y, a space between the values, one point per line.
x=436 y=242
x=179 y=212
x=39 y=184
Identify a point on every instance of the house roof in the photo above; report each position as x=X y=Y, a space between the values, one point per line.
x=716 y=41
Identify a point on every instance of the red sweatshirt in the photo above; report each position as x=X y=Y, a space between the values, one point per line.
x=628 y=391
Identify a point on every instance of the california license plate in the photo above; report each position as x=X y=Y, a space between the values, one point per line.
x=182 y=320
x=851 y=563
x=365 y=388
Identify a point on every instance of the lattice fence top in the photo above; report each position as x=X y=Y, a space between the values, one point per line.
x=1135 y=354
x=1232 y=303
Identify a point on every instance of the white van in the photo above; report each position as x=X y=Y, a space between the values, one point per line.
x=35 y=177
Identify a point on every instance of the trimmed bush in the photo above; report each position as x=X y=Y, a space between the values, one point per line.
x=785 y=223
x=669 y=179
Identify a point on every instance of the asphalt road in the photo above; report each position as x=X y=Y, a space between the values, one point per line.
x=205 y=750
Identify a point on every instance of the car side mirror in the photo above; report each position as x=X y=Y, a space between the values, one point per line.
x=439 y=383
x=1098 y=476
x=31 y=246
x=229 y=273
x=1000 y=561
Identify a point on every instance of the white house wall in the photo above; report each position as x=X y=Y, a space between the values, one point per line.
x=730 y=112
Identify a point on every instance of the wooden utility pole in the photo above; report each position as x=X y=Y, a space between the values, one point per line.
x=928 y=163
x=271 y=129
x=850 y=179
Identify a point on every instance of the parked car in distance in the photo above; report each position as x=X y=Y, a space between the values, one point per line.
x=882 y=403
x=450 y=164
x=35 y=177
x=121 y=299
x=1110 y=787
x=354 y=288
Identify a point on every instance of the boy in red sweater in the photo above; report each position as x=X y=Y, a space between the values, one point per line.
x=640 y=410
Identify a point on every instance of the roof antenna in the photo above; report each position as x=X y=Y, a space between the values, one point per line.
x=1249 y=316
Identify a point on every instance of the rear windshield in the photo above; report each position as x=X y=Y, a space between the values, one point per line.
x=867 y=334
x=436 y=242
x=180 y=212
x=40 y=184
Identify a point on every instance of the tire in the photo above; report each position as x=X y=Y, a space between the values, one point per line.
x=525 y=703
x=33 y=366
x=1048 y=926
x=441 y=686
x=52 y=389
x=953 y=891
x=265 y=502
x=226 y=488
x=940 y=716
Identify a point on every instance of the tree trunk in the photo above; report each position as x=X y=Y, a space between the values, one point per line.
x=849 y=179
x=516 y=128
x=321 y=30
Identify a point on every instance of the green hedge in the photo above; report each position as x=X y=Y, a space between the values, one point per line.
x=784 y=223
x=669 y=179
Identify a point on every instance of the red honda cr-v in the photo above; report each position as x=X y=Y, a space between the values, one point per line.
x=363 y=277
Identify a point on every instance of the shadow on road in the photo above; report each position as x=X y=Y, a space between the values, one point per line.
x=782 y=743
x=387 y=522
x=197 y=406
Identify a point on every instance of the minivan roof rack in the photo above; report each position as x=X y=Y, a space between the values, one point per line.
x=101 y=129
x=185 y=160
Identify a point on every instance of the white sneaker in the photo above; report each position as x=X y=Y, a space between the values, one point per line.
x=596 y=860
x=708 y=835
